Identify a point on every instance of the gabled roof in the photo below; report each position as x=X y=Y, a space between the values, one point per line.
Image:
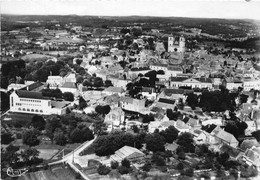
x=33 y=86
x=223 y=135
x=204 y=80
x=114 y=89
x=30 y=95
x=253 y=155
x=69 y=85
x=167 y=101
x=174 y=68
x=179 y=79
x=248 y=143
x=127 y=152
x=169 y=92
x=160 y=65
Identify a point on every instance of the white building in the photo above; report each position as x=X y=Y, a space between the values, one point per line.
x=54 y=81
x=191 y=82
x=251 y=84
x=14 y=86
x=35 y=103
x=132 y=104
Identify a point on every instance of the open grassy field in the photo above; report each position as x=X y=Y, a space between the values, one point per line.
x=57 y=173
x=33 y=57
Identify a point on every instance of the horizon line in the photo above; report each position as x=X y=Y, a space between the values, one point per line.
x=81 y=15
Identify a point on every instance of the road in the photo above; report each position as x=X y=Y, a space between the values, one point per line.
x=74 y=154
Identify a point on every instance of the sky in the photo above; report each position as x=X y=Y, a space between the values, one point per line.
x=234 y=9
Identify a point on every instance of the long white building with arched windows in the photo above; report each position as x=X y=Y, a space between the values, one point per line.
x=35 y=103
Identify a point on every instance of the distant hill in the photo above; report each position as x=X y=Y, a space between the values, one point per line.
x=236 y=27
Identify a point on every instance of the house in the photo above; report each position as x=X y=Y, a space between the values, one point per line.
x=249 y=143
x=175 y=93
x=71 y=77
x=191 y=82
x=234 y=153
x=114 y=90
x=222 y=136
x=203 y=137
x=252 y=156
x=116 y=116
x=131 y=104
x=69 y=87
x=35 y=103
x=161 y=125
x=249 y=84
x=165 y=103
x=14 y=86
x=181 y=126
x=232 y=83
x=171 y=147
x=54 y=81
x=173 y=71
x=193 y=124
x=217 y=121
x=34 y=87
x=256 y=117
x=149 y=93
x=127 y=152
x=118 y=81
x=169 y=70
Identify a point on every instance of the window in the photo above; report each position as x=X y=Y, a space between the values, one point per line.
x=36 y=110
x=32 y=110
x=41 y=111
x=19 y=109
x=12 y=101
x=28 y=110
x=23 y=109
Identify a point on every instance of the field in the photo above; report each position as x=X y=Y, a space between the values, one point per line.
x=58 y=173
x=33 y=57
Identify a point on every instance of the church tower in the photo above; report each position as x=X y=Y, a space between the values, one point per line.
x=181 y=44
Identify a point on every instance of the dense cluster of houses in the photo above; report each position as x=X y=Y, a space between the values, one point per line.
x=178 y=79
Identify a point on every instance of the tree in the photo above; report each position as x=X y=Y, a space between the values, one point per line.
x=38 y=122
x=6 y=138
x=160 y=72
x=59 y=137
x=103 y=170
x=170 y=134
x=192 y=100
x=152 y=77
x=158 y=160
x=148 y=118
x=223 y=157
x=147 y=166
x=123 y=170
x=103 y=109
x=98 y=82
x=51 y=125
x=30 y=155
x=9 y=156
x=114 y=164
x=5 y=98
x=232 y=128
x=186 y=141
x=108 y=83
x=125 y=163
x=180 y=166
x=82 y=103
x=30 y=137
x=68 y=96
x=256 y=135
x=154 y=142
x=188 y=172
